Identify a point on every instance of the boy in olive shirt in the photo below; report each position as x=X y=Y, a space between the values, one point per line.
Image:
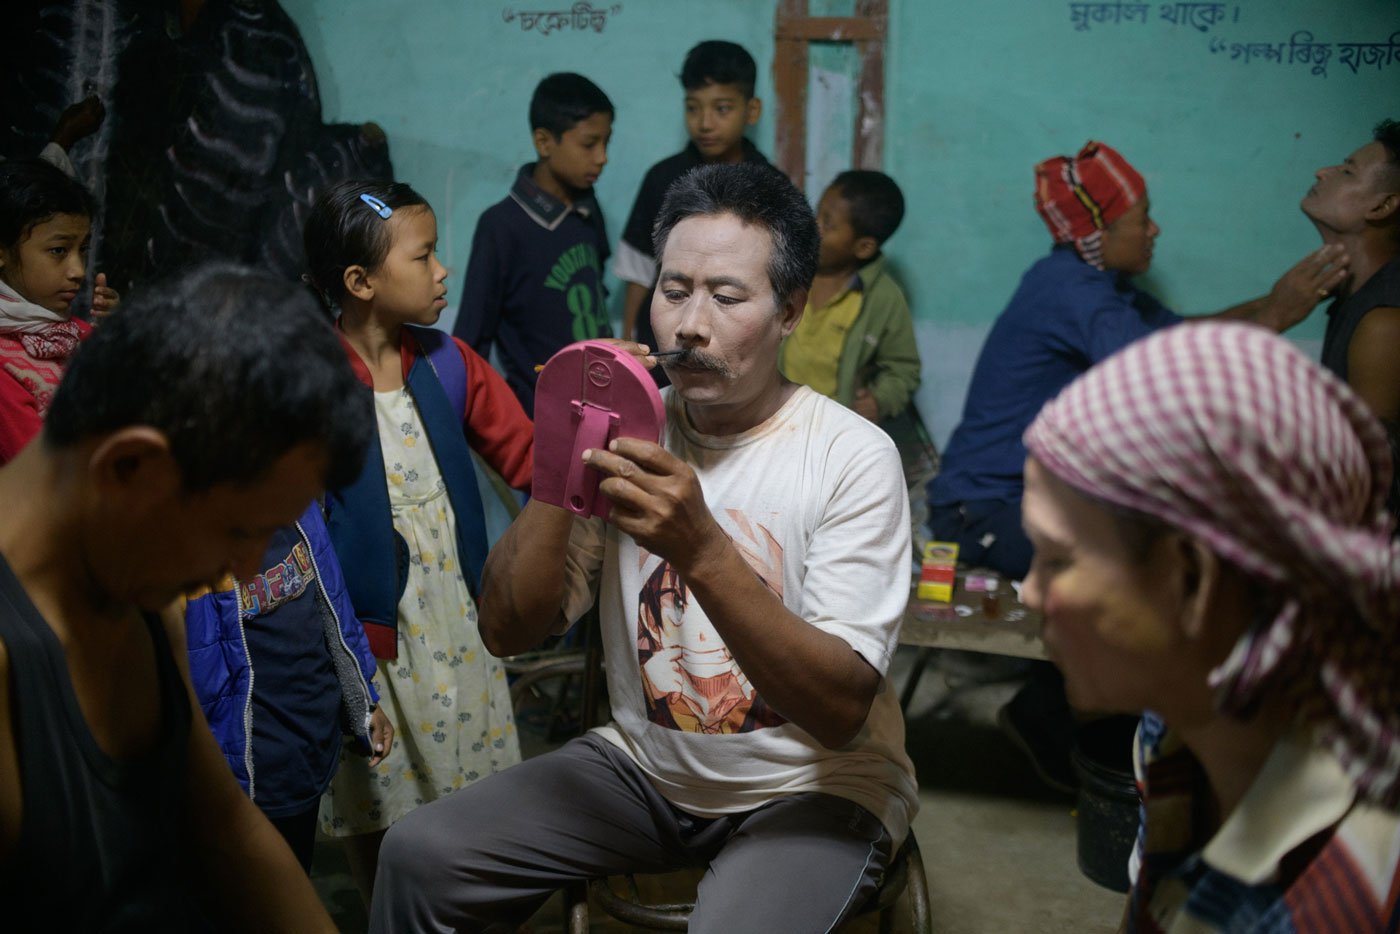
x=855 y=342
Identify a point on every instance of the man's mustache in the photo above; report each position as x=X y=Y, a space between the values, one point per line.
x=693 y=359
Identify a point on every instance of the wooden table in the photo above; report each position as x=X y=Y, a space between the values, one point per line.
x=994 y=622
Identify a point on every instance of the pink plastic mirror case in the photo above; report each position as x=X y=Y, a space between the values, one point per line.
x=588 y=394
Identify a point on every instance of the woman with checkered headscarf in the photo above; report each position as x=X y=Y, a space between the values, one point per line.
x=1211 y=547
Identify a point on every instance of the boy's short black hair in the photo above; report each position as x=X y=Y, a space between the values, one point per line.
x=716 y=61
x=344 y=230
x=31 y=192
x=1387 y=133
x=1392 y=436
x=757 y=194
x=234 y=366
x=564 y=99
x=875 y=203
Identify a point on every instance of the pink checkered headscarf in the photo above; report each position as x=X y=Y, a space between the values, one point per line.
x=1230 y=434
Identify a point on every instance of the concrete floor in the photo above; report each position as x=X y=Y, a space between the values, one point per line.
x=998 y=846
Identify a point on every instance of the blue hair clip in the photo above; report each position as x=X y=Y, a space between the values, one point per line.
x=377 y=206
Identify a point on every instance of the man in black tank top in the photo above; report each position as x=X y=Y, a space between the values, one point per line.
x=193 y=423
x=1357 y=204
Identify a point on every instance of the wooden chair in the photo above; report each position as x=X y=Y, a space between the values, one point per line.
x=564 y=663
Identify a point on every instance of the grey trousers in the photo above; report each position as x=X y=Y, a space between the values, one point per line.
x=486 y=857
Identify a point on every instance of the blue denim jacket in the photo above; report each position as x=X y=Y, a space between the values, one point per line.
x=222 y=671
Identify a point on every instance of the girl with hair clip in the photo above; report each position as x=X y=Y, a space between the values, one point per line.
x=409 y=531
x=45 y=221
x=1212 y=546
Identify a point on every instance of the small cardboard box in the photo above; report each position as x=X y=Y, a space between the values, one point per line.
x=938 y=572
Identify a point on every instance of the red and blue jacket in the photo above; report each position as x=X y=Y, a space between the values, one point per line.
x=465 y=406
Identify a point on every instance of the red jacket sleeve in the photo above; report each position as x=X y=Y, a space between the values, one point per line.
x=497 y=427
x=20 y=421
x=19 y=417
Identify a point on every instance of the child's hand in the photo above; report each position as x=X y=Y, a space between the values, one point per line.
x=381 y=737
x=79 y=120
x=864 y=404
x=104 y=298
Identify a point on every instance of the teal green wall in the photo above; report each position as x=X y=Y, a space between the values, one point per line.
x=981 y=91
x=976 y=93
x=450 y=81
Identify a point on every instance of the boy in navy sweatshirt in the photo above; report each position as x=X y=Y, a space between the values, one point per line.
x=535 y=278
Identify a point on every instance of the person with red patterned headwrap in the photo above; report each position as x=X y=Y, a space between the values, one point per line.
x=1211 y=545
x=1073 y=308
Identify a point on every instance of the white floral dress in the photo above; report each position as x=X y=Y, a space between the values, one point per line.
x=445 y=694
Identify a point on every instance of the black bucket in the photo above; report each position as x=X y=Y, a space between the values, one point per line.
x=1108 y=799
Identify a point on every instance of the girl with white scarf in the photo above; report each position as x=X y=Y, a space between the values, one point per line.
x=45 y=221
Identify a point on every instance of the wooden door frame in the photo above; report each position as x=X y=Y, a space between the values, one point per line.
x=793 y=30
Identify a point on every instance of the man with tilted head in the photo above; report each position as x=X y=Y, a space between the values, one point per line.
x=202 y=417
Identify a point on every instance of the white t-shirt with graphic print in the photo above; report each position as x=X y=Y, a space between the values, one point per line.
x=815 y=500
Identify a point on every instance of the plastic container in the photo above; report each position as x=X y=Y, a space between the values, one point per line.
x=1108 y=799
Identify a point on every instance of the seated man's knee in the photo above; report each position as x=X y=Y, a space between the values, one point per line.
x=430 y=839
x=405 y=854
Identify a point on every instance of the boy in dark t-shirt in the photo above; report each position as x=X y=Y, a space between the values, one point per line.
x=282 y=669
x=535 y=278
x=718 y=78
